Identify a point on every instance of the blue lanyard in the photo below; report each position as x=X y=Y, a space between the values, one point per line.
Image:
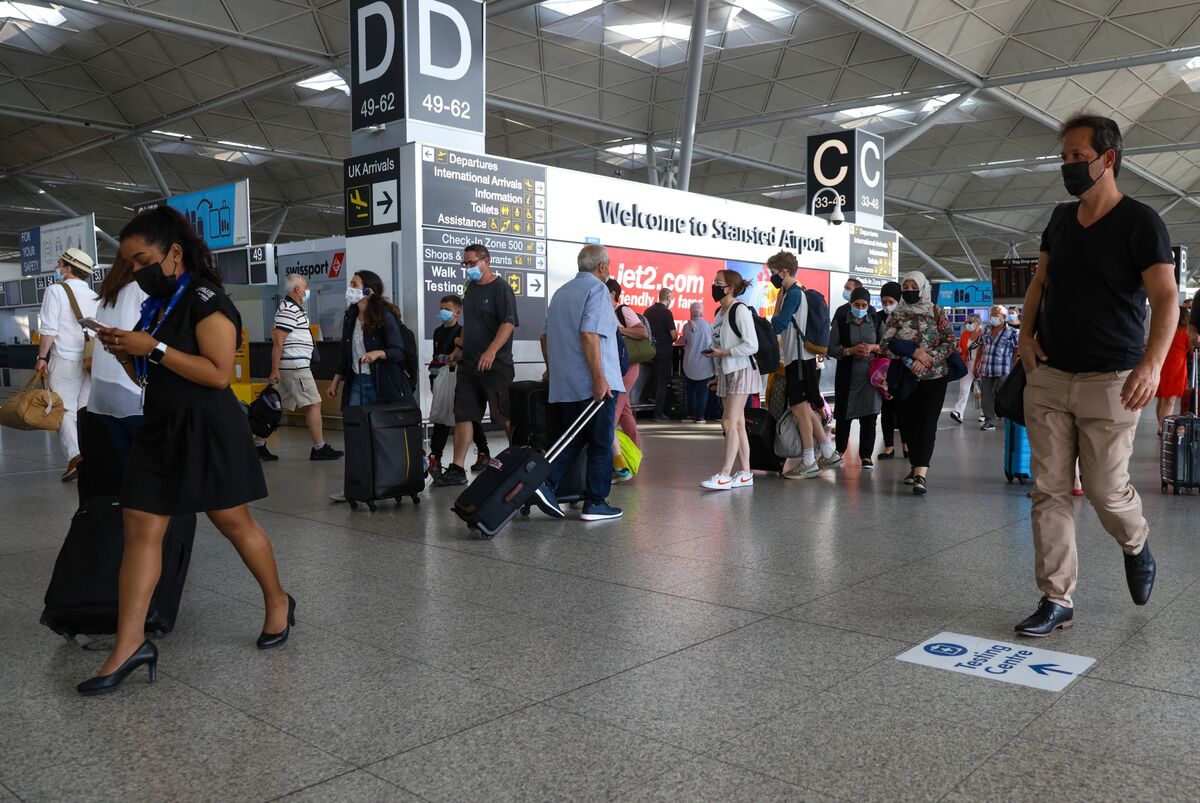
x=141 y=365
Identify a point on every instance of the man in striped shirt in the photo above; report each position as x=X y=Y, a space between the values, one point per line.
x=291 y=367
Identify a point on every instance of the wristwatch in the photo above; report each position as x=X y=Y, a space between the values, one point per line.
x=157 y=354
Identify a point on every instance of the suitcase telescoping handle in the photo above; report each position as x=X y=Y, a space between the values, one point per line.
x=573 y=431
x=1195 y=381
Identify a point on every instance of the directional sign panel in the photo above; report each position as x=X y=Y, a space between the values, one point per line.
x=1022 y=664
x=372 y=203
x=470 y=198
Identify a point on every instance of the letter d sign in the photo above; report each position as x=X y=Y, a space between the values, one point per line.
x=444 y=55
x=376 y=65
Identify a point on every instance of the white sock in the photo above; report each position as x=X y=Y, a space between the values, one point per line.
x=258 y=443
x=809 y=456
x=827 y=449
x=320 y=445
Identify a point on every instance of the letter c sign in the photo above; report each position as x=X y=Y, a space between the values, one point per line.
x=870 y=178
x=818 y=159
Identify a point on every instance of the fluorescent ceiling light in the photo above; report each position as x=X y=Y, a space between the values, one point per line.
x=328 y=80
x=571 y=7
x=28 y=12
x=651 y=31
x=230 y=144
x=171 y=134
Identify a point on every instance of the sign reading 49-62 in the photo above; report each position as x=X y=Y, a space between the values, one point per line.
x=417 y=60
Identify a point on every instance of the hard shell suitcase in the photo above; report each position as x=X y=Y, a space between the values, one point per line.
x=1016 y=452
x=384 y=459
x=535 y=422
x=1179 y=463
x=676 y=405
x=760 y=429
x=507 y=485
x=82 y=596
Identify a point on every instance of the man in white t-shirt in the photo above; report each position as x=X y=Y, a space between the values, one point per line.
x=61 y=349
x=291 y=367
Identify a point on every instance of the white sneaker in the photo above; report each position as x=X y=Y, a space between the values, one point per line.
x=804 y=472
x=829 y=462
x=718 y=482
x=338 y=497
x=743 y=479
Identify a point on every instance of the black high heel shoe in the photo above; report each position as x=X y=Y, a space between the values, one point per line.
x=268 y=640
x=104 y=684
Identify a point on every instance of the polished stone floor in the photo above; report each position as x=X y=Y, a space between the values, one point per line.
x=735 y=647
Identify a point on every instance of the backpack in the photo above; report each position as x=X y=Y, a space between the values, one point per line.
x=766 y=359
x=412 y=364
x=815 y=334
x=265 y=412
x=622 y=355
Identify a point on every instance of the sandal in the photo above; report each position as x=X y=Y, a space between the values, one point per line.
x=911 y=478
x=918 y=485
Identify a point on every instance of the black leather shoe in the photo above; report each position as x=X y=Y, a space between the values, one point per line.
x=268 y=640
x=1050 y=616
x=1139 y=574
x=104 y=684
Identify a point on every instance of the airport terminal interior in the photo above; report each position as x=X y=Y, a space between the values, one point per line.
x=835 y=638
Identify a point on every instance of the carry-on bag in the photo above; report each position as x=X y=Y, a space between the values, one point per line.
x=83 y=591
x=760 y=429
x=508 y=483
x=1179 y=463
x=535 y=422
x=383 y=453
x=33 y=408
x=1016 y=452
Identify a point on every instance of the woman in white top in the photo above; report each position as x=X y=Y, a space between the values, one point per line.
x=734 y=343
x=115 y=398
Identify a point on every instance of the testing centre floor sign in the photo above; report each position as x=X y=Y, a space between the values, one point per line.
x=1022 y=664
x=642 y=273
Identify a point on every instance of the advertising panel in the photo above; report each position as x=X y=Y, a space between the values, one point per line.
x=220 y=215
x=41 y=246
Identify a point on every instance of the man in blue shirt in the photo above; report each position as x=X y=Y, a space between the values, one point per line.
x=579 y=344
x=994 y=361
x=801 y=379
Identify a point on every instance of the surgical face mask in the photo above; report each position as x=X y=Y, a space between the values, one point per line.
x=858 y=313
x=845 y=295
x=777 y=280
x=1077 y=177
x=889 y=308
x=154 y=281
x=353 y=295
x=474 y=274
x=445 y=315
x=718 y=293
x=307 y=295
x=995 y=320
x=1012 y=317
x=969 y=327
x=910 y=296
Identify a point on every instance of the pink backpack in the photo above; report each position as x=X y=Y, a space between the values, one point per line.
x=879 y=375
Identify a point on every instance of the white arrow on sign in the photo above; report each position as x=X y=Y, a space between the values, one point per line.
x=536 y=288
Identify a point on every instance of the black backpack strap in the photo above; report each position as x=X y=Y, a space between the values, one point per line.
x=733 y=317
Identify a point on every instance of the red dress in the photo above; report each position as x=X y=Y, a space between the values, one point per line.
x=1172 y=381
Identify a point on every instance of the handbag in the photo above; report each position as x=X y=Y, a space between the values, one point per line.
x=787 y=437
x=33 y=408
x=640 y=351
x=441 y=408
x=1010 y=395
x=630 y=452
x=956 y=367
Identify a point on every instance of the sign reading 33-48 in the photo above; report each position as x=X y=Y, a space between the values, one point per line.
x=417 y=60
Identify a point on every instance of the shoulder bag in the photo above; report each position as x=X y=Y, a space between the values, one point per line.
x=89 y=345
x=33 y=408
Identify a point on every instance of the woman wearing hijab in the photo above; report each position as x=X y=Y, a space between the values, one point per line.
x=889 y=297
x=919 y=334
x=697 y=367
x=853 y=341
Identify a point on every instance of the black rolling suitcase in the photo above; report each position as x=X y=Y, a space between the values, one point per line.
x=1180 y=453
x=384 y=458
x=676 y=406
x=82 y=597
x=760 y=429
x=535 y=422
x=101 y=474
x=507 y=484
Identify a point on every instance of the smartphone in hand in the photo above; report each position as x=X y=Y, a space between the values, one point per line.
x=91 y=323
x=707 y=352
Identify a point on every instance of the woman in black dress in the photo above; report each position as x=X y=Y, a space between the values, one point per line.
x=194 y=452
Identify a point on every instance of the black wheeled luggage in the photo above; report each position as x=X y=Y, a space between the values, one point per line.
x=82 y=597
x=506 y=486
x=384 y=458
x=760 y=429
x=1180 y=451
x=536 y=422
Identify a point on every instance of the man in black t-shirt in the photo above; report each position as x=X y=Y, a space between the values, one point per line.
x=483 y=355
x=1089 y=375
x=662 y=326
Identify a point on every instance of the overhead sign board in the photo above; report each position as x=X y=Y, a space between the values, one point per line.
x=418 y=60
x=372 y=193
x=499 y=203
x=220 y=215
x=964 y=294
x=41 y=246
x=846 y=166
x=1021 y=664
x=873 y=253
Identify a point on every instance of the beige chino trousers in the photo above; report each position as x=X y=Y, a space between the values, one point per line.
x=1070 y=416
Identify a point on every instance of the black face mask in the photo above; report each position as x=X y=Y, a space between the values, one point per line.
x=777 y=280
x=718 y=293
x=1076 y=177
x=910 y=296
x=154 y=282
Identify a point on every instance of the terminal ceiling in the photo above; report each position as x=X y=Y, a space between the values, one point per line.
x=211 y=89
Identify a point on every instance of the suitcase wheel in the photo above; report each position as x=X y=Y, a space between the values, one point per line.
x=1020 y=480
x=525 y=510
x=371 y=506
x=1177 y=490
x=416 y=499
x=1164 y=487
x=1008 y=476
x=353 y=504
